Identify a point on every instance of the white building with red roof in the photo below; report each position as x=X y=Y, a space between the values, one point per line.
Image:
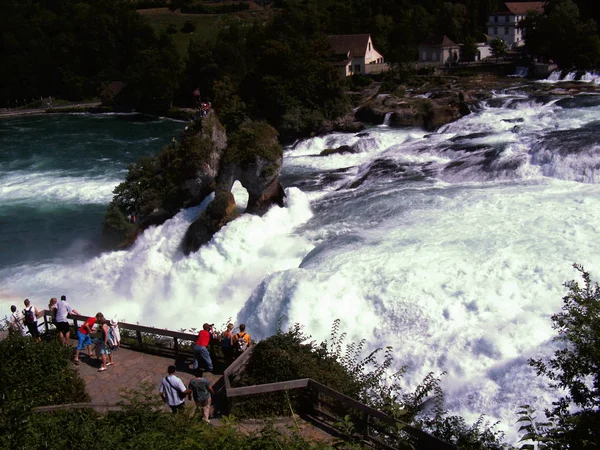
x=505 y=23
x=355 y=53
x=439 y=49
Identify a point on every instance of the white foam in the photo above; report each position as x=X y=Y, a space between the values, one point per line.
x=56 y=186
x=153 y=283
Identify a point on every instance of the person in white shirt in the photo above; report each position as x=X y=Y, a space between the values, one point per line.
x=63 y=309
x=16 y=321
x=173 y=391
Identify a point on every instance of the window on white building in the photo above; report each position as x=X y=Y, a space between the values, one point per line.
x=369 y=46
x=357 y=68
x=495 y=31
x=495 y=19
x=506 y=19
x=506 y=30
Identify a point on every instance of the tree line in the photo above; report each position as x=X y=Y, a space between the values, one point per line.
x=277 y=71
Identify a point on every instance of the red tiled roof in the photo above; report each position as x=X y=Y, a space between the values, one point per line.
x=356 y=44
x=439 y=41
x=521 y=8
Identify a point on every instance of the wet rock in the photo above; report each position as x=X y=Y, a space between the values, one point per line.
x=221 y=210
x=339 y=150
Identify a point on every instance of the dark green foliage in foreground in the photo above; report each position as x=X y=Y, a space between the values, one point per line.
x=36 y=374
x=574 y=419
x=291 y=355
x=33 y=374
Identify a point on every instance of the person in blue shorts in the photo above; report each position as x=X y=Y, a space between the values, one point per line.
x=83 y=336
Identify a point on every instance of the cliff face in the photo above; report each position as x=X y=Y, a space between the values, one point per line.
x=203 y=161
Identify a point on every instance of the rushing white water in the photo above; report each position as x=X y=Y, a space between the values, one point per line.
x=450 y=246
x=586 y=77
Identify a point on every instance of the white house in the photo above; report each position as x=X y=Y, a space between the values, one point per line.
x=355 y=53
x=504 y=24
x=439 y=49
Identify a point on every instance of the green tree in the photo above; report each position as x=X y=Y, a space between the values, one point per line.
x=574 y=369
x=153 y=77
x=561 y=34
x=498 y=48
x=469 y=49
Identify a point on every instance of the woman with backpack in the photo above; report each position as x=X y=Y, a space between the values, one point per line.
x=30 y=315
x=227 y=344
x=242 y=339
x=105 y=350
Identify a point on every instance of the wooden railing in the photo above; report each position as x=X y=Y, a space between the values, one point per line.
x=177 y=336
x=423 y=440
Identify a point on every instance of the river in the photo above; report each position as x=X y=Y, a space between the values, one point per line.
x=451 y=246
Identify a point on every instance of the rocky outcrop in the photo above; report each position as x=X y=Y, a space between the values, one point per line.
x=213 y=134
x=254 y=158
x=204 y=160
x=430 y=113
x=221 y=210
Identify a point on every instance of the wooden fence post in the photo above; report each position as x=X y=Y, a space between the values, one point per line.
x=139 y=337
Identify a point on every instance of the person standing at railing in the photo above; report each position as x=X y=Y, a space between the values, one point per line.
x=242 y=340
x=105 y=350
x=227 y=344
x=63 y=309
x=16 y=321
x=30 y=315
x=201 y=353
x=83 y=336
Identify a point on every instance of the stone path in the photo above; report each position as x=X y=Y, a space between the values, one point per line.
x=129 y=371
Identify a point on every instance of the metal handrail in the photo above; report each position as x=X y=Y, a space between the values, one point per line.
x=139 y=329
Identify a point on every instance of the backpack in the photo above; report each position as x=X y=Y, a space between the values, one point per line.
x=29 y=315
x=241 y=342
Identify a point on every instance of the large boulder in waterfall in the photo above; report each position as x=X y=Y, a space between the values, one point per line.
x=212 y=139
x=440 y=108
x=254 y=158
x=221 y=210
x=180 y=176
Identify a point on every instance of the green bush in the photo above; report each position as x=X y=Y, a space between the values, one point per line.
x=574 y=370
x=253 y=140
x=33 y=374
x=188 y=27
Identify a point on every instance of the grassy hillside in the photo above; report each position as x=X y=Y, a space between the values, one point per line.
x=207 y=25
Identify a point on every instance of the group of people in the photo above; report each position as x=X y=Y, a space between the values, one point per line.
x=61 y=310
x=25 y=321
x=174 y=392
x=231 y=344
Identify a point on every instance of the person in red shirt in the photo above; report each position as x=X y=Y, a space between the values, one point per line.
x=201 y=352
x=83 y=336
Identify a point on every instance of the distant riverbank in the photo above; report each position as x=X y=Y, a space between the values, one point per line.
x=76 y=107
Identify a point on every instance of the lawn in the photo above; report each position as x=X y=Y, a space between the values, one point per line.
x=207 y=25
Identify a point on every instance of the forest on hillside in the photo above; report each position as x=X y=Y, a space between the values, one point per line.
x=276 y=70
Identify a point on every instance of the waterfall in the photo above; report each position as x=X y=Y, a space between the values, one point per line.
x=386 y=120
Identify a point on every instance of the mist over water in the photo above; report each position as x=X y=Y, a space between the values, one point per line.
x=451 y=246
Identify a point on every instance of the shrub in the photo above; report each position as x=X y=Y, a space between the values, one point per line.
x=33 y=374
x=188 y=27
x=171 y=28
x=574 y=369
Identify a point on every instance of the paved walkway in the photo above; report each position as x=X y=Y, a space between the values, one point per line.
x=131 y=369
